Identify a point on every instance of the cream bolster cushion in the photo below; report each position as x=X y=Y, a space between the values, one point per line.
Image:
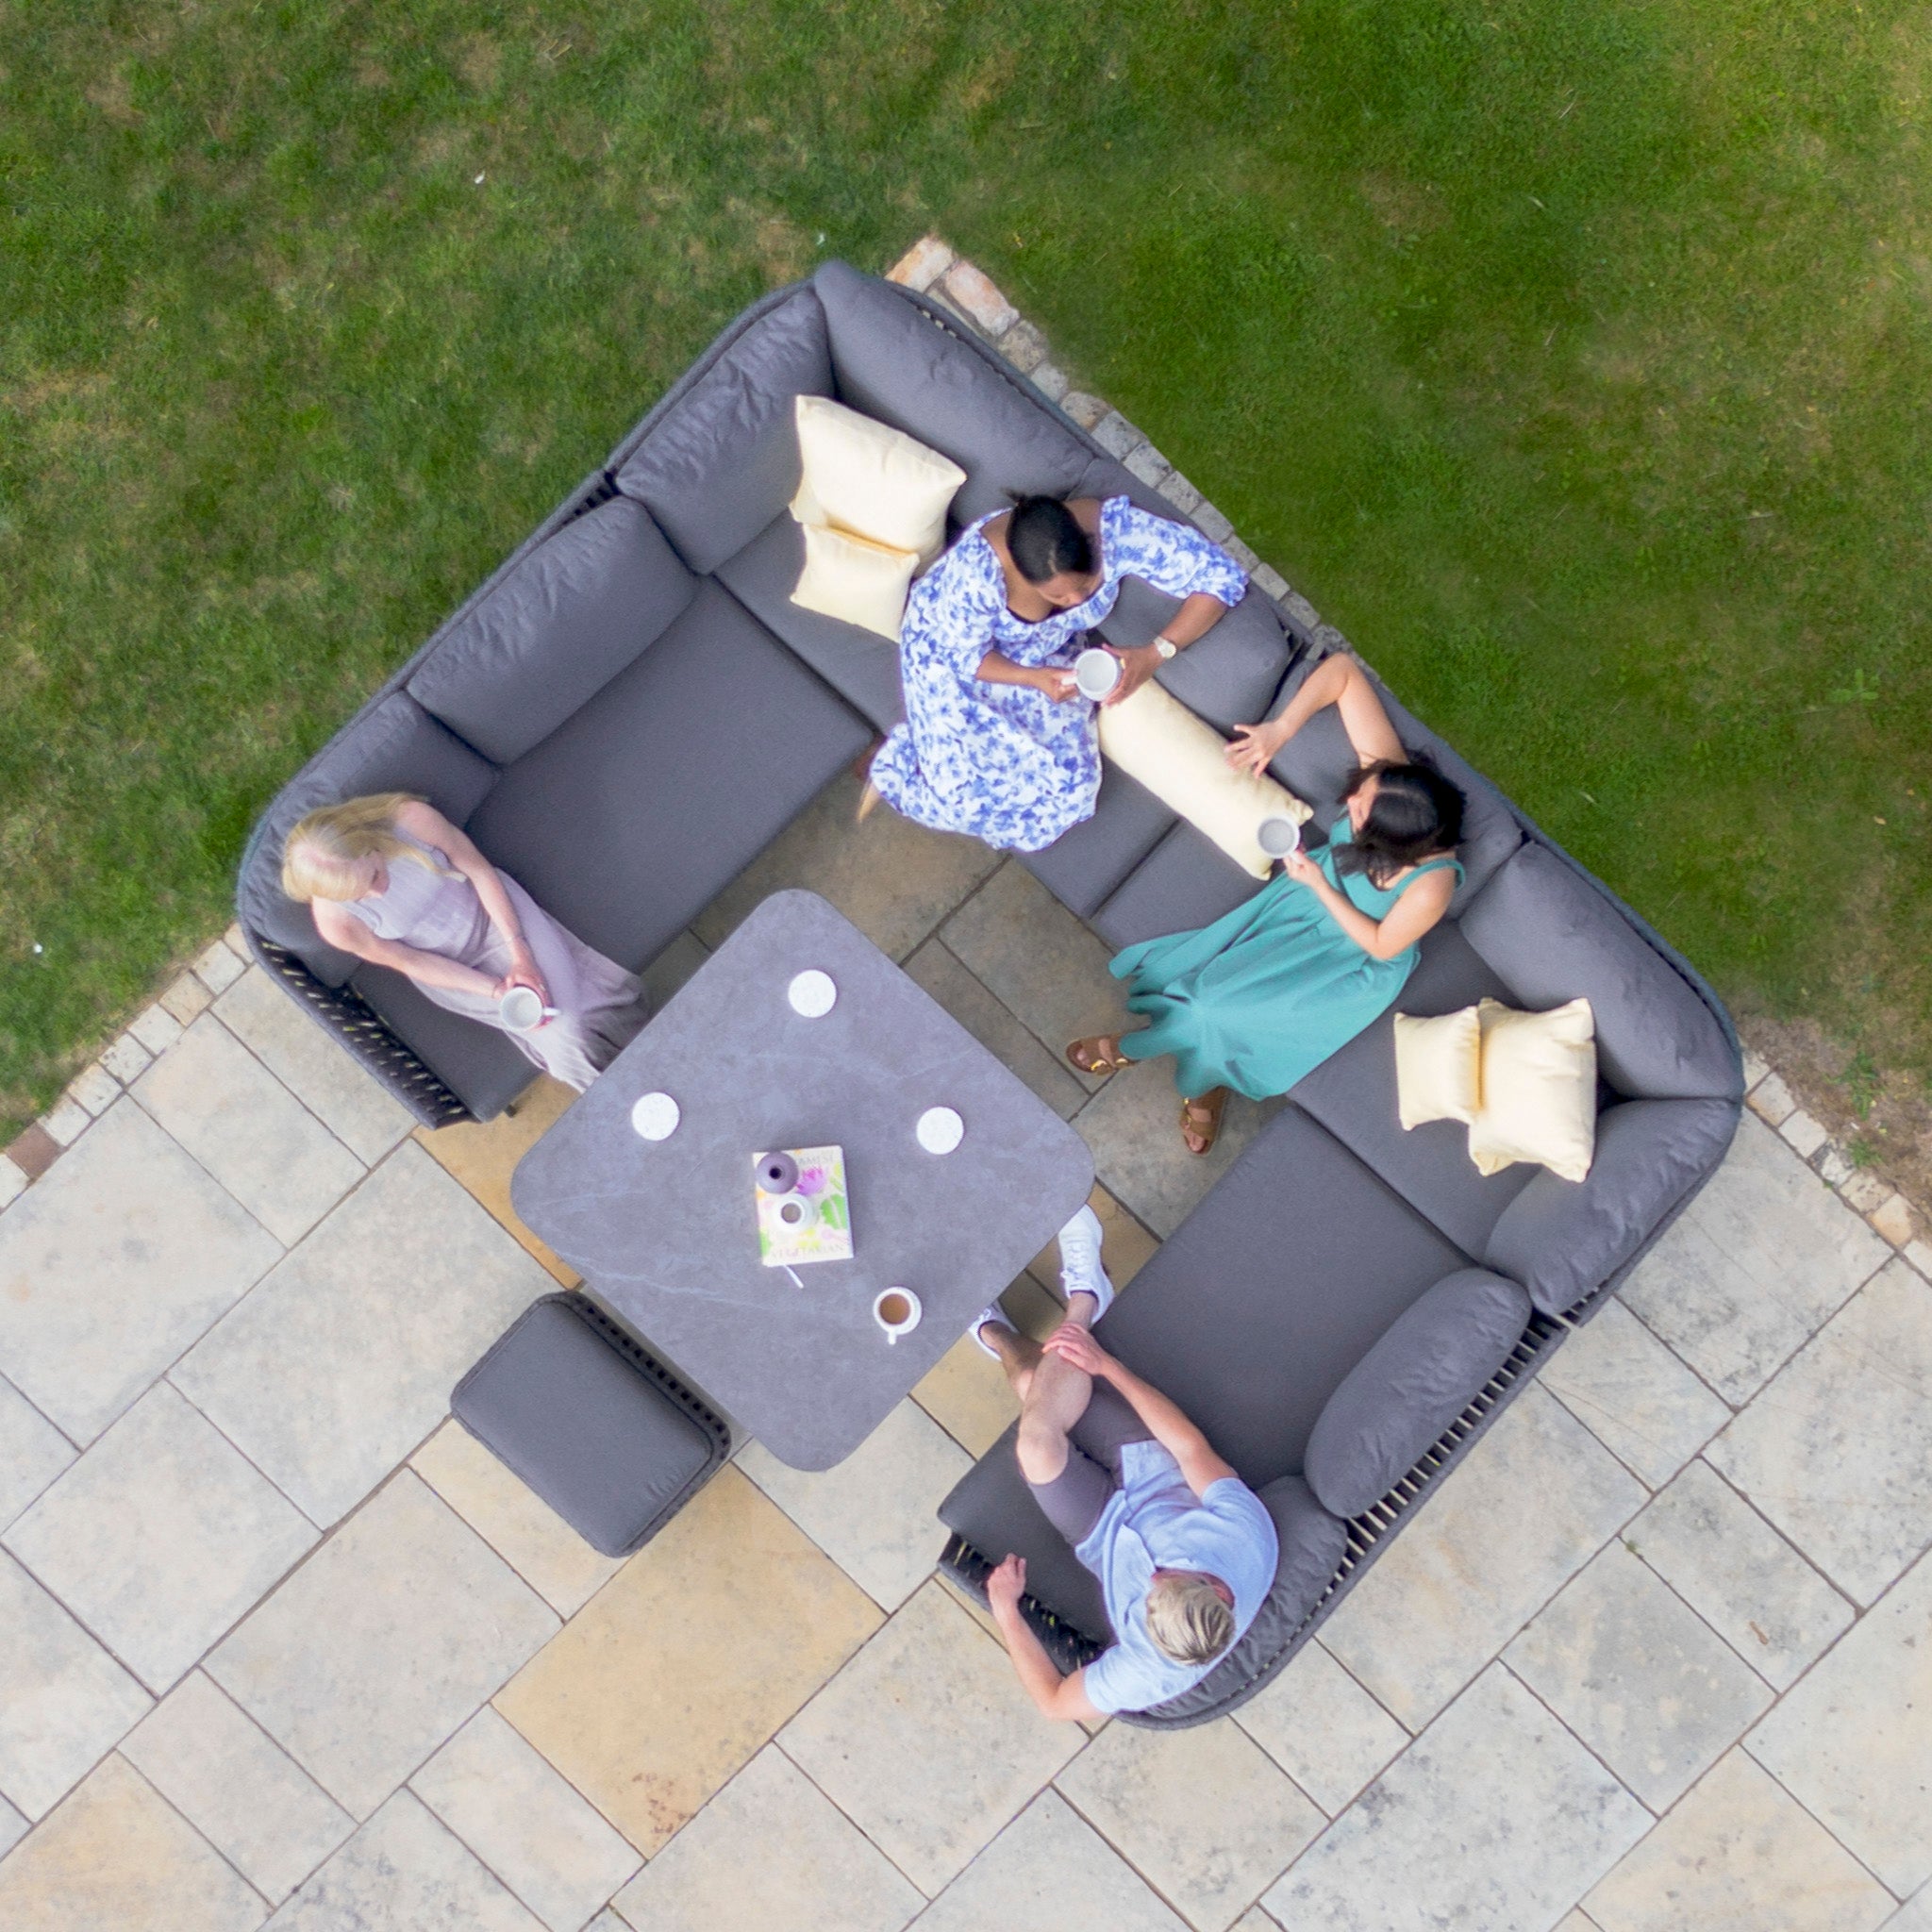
x=1155 y=738
x=863 y=582
x=856 y=475
x=1539 y=1090
x=1439 y=1067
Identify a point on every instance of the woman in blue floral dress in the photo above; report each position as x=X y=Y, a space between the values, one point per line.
x=997 y=742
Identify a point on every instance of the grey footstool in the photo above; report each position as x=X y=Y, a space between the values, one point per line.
x=608 y=1436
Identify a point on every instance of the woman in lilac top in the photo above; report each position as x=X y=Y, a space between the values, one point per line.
x=997 y=743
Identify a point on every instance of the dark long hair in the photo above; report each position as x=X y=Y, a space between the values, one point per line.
x=1045 y=540
x=1417 y=814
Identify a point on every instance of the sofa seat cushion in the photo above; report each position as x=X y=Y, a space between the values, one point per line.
x=723 y=460
x=1417 y=1379
x=1084 y=865
x=579 y=1416
x=393 y=746
x=1313 y=1544
x=480 y=1064
x=863 y=668
x=1552 y=935
x=1352 y=1094
x=629 y=820
x=1562 y=1239
x=1186 y=881
x=552 y=630
x=1290 y=1270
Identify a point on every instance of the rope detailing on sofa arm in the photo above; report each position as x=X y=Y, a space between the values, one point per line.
x=354 y=1022
x=1070 y=1649
x=641 y=1358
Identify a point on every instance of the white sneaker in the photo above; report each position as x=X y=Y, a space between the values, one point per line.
x=991 y=1312
x=1081 y=1272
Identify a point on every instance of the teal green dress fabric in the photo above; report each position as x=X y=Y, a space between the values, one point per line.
x=1269 y=991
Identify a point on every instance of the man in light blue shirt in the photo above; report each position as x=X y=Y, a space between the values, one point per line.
x=1183 y=1548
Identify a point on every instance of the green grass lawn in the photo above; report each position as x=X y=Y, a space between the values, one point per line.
x=1574 y=357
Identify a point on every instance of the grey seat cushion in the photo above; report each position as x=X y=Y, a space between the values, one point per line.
x=629 y=820
x=723 y=460
x=585 y=1423
x=1553 y=937
x=1563 y=1239
x=1352 y=1094
x=1293 y=1265
x=557 y=627
x=1186 y=881
x=478 y=1063
x=1312 y=1545
x=859 y=664
x=1417 y=1379
x=396 y=746
x=1088 y=861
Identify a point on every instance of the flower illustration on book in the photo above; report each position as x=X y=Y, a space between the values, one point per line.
x=812 y=1219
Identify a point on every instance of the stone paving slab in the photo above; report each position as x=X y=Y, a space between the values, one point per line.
x=1838 y=1449
x=236 y=1787
x=938 y=970
x=13 y=1827
x=1638 y=1676
x=117 y=1856
x=1853 y=1742
x=64 y=1702
x=1496 y=1818
x=506 y=1804
x=1754 y=1267
x=32 y=1452
x=342 y=1360
x=382 y=1643
x=122 y=1255
x=1739 y=1852
x=1323 y=1728
x=160 y=1537
x=769 y=1854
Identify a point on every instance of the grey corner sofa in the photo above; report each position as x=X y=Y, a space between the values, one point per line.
x=1351 y=1304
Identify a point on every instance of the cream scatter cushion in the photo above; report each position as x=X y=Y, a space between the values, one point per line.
x=872 y=481
x=1539 y=1090
x=852 y=578
x=1439 y=1067
x=1153 y=736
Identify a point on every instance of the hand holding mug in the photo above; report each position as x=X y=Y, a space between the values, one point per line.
x=1059 y=685
x=1302 y=869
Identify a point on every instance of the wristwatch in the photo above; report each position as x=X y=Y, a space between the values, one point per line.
x=1167 y=647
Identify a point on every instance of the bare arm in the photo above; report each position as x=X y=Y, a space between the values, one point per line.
x=1199 y=1465
x=1340 y=681
x=347 y=933
x=1055 y=1696
x=1200 y=611
x=1423 y=902
x=995 y=669
x=427 y=825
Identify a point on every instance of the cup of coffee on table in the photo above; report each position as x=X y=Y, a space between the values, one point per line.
x=1096 y=673
x=1278 y=836
x=896 y=1310
x=523 y=1011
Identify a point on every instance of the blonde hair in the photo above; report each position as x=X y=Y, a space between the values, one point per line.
x=318 y=852
x=1187 y=1618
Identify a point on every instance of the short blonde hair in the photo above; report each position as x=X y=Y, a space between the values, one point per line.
x=320 y=851
x=1188 y=1618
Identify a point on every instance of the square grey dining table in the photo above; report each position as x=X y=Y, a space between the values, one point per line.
x=664 y=1231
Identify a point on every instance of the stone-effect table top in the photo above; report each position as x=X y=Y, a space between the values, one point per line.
x=664 y=1233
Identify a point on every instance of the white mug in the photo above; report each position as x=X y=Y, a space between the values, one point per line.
x=896 y=1310
x=1096 y=673
x=1278 y=835
x=523 y=1011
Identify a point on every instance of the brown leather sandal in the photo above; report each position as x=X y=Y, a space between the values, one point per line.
x=1096 y=1061
x=1201 y=1120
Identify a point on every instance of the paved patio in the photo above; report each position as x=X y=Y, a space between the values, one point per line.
x=279 y=1644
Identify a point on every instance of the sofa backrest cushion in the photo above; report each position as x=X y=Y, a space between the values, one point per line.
x=1417 y=1379
x=723 y=460
x=395 y=746
x=1312 y=1545
x=892 y=360
x=555 y=630
x=1563 y=1239
x=1552 y=936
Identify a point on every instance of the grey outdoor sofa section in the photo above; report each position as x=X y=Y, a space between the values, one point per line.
x=1351 y=1304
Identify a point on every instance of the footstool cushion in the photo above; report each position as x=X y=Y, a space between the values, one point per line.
x=605 y=1434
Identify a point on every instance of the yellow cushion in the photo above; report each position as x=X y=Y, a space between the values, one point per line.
x=1539 y=1090
x=1155 y=738
x=1439 y=1067
x=859 y=476
x=851 y=577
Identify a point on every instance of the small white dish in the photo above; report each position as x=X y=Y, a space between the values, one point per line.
x=654 y=1116
x=940 y=1130
x=812 y=993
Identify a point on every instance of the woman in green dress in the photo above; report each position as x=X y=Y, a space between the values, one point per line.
x=1266 y=993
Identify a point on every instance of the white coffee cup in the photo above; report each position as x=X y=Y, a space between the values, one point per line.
x=897 y=1311
x=1096 y=673
x=522 y=1009
x=1278 y=836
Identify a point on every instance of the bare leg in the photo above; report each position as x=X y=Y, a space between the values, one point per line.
x=1053 y=1393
